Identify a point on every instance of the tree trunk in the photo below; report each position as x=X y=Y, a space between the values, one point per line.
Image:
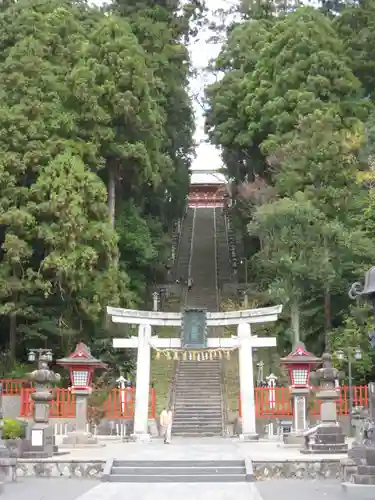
x=327 y=317
x=295 y=321
x=12 y=339
x=112 y=194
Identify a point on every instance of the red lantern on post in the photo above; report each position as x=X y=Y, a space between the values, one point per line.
x=299 y=363
x=82 y=365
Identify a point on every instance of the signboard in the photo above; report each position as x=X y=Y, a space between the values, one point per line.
x=194 y=329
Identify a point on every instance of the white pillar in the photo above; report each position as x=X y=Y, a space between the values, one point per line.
x=246 y=383
x=142 y=384
x=155 y=298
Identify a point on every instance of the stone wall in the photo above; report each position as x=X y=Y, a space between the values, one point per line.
x=311 y=469
x=52 y=468
x=12 y=406
x=263 y=470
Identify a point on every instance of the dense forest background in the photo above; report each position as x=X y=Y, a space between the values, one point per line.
x=96 y=141
x=293 y=113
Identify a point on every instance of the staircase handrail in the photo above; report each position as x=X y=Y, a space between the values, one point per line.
x=178 y=246
x=171 y=398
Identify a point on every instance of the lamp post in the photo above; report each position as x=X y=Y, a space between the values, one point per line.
x=124 y=385
x=82 y=365
x=299 y=363
x=40 y=440
x=350 y=355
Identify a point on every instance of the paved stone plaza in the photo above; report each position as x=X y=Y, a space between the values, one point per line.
x=194 y=449
x=75 y=489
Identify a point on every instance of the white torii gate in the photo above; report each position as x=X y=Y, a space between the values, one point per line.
x=244 y=341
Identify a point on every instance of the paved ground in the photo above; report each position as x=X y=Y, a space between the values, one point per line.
x=193 y=449
x=77 y=489
x=47 y=489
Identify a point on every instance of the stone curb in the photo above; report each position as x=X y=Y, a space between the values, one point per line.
x=107 y=470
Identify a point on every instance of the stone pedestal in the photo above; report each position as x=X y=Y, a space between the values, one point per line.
x=80 y=438
x=40 y=441
x=362 y=481
x=249 y=437
x=140 y=438
x=5 y=463
x=296 y=437
x=325 y=438
x=328 y=436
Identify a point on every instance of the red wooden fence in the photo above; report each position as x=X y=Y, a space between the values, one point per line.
x=281 y=404
x=63 y=404
x=13 y=386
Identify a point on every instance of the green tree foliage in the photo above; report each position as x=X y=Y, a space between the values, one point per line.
x=95 y=146
x=291 y=112
x=355 y=26
x=160 y=27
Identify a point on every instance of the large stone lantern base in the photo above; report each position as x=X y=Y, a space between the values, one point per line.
x=40 y=441
x=325 y=438
x=80 y=438
x=328 y=436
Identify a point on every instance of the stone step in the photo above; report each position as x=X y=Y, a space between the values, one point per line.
x=198 y=381
x=200 y=425
x=177 y=471
x=195 y=399
x=161 y=478
x=193 y=391
x=194 y=416
x=197 y=434
x=207 y=431
x=197 y=403
x=214 y=417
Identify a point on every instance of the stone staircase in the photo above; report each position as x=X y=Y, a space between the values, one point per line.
x=203 y=267
x=198 y=400
x=172 y=471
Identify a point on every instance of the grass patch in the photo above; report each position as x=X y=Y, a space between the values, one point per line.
x=162 y=370
x=231 y=382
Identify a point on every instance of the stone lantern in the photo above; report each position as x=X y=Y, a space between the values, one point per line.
x=328 y=436
x=40 y=439
x=299 y=363
x=82 y=365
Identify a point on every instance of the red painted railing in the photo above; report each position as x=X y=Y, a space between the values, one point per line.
x=13 y=386
x=63 y=404
x=281 y=403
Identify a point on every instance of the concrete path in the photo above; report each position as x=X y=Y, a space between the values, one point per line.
x=201 y=491
x=80 y=489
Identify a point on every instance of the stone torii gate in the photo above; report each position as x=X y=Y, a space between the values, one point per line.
x=244 y=341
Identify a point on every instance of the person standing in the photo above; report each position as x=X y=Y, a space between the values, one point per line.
x=166 y=419
x=190 y=284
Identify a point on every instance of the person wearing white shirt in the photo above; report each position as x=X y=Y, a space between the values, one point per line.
x=166 y=419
